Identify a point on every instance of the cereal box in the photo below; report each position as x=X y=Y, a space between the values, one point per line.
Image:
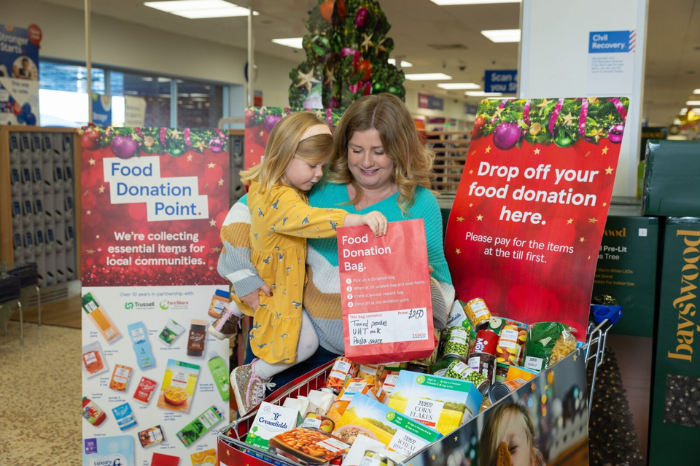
x=441 y=403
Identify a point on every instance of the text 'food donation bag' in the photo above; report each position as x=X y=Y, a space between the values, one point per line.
x=385 y=293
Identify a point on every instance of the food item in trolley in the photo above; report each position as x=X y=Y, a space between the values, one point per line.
x=120 y=377
x=441 y=403
x=515 y=372
x=541 y=340
x=342 y=369
x=496 y=324
x=387 y=382
x=502 y=389
x=151 y=436
x=93 y=359
x=352 y=387
x=369 y=372
x=309 y=446
x=461 y=371
x=200 y=426
x=564 y=346
x=369 y=452
x=320 y=401
x=440 y=367
x=485 y=364
x=456 y=343
x=486 y=342
x=502 y=371
x=367 y=417
x=477 y=312
x=301 y=405
x=271 y=420
x=319 y=422
x=511 y=345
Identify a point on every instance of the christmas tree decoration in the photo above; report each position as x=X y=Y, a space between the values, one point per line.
x=478 y=130
x=615 y=133
x=507 y=135
x=124 y=147
x=90 y=139
x=347 y=55
x=217 y=145
x=563 y=140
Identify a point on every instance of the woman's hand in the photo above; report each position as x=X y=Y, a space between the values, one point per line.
x=252 y=299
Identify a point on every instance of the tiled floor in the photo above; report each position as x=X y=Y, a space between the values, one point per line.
x=40 y=396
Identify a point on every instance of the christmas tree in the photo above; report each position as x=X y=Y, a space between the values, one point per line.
x=347 y=54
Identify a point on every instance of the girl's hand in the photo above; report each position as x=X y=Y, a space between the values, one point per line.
x=377 y=223
x=252 y=299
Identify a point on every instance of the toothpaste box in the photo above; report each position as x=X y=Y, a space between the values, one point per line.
x=271 y=420
x=367 y=417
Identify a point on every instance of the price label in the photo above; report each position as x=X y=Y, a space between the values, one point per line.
x=388 y=327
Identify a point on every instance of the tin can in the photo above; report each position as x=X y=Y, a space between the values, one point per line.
x=418 y=367
x=318 y=422
x=502 y=389
x=459 y=370
x=456 y=343
x=486 y=342
x=477 y=311
x=440 y=367
x=342 y=368
x=501 y=371
x=511 y=345
x=373 y=458
x=485 y=364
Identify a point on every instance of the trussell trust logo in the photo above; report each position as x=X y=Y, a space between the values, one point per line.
x=140 y=305
x=128 y=305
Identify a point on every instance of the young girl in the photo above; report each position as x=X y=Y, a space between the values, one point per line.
x=508 y=438
x=282 y=335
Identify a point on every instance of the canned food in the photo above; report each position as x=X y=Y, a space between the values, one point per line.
x=440 y=367
x=318 y=422
x=485 y=364
x=477 y=311
x=373 y=458
x=511 y=345
x=457 y=343
x=486 y=342
x=418 y=367
x=459 y=370
x=342 y=368
x=502 y=389
x=501 y=371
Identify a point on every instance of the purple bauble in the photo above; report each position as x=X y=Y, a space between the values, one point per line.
x=216 y=145
x=361 y=17
x=333 y=102
x=124 y=147
x=271 y=121
x=506 y=135
x=615 y=133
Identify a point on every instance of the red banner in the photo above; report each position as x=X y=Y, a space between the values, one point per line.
x=153 y=202
x=387 y=309
x=530 y=211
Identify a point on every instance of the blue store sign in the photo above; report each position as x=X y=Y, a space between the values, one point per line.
x=430 y=102
x=503 y=81
x=611 y=42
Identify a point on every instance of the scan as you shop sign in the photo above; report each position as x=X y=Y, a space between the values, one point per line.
x=153 y=202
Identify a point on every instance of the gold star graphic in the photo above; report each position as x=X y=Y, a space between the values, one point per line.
x=473 y=153
x=366 y=42
x=88 y=212
x=592 y=220
x=471 y=172
x=546 y=386
x=479 y=217
x=488 y=149
x=575 y=357
x=589 y=257
x=605 y=150
x=544 y=103
x=262 y=133
x=306 y=80
x=221 y=182
x=471 y=205
x=189 y=158
x=533 y=387
x=568 y=119
x=433 y=457
x=102 y=189
x=457 y=251
x=537 y=151
x=212 y=222
x=456 y=438
x=97 y=236
x=211 y=268
x=460 y=219
x=92 y=161
x=497 y=113
x=217 y=249
x=588 y=153
x=605 y=204
x=90 y=251
x=211 y=165
x=570 y=221
x=581 y=239
x=608 y=171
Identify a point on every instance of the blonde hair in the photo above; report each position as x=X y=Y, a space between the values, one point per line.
x=386 y=113
x=493 y=433
x=285 y=144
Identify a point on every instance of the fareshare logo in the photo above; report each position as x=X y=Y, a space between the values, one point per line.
x=138 y=180
x=164 y=305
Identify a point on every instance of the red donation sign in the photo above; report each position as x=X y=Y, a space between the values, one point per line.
x=153 y=202
x=387 y=308
x=530 y=211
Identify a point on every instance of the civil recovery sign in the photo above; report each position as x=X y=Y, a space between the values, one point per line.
x=611 y=42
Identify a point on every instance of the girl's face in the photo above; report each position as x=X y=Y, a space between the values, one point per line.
x=303 y=175
x=515 y=435
x=367 y=161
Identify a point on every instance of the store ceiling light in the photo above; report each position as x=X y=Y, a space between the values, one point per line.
x=428 y=77
x=692 y=103
x=483 y=94
x=471 y=2
x=502 y=35
x=293 y=42
x=404 y=64
x=459 y=86
x=199 y=9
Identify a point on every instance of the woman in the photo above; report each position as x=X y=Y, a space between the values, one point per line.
x=379 y=164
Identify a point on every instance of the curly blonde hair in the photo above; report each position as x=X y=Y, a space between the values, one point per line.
x=413 y=162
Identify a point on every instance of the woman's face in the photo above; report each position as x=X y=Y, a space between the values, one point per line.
x=367 y=161
x=515 y=435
